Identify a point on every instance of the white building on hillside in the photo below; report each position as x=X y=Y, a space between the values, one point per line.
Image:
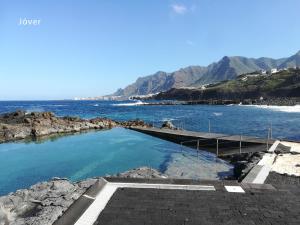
x=274 y=70
x=263 y=72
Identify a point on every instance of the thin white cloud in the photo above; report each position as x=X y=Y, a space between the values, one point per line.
x=179 y=9
x=191 y=43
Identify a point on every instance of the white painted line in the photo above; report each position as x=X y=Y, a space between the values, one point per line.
x=274 y=146
x=165 y=186
x=236 y=189
x=101 y=200
x=92 y=213
x=262 y=175
x=87 y=196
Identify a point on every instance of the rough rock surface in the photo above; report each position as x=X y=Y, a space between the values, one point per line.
x=134 y=123
x=142 y=172
x=42 y=203
x=243 y=163
x=20 y=125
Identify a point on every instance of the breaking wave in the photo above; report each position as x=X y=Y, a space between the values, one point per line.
x=289 y=109
x=131 y=103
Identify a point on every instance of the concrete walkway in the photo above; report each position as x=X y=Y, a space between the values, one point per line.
x=220 y=144
x=285 y=163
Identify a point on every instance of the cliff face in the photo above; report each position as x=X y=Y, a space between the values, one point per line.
x=162 y=81
x=248 y=86
x=227 y=68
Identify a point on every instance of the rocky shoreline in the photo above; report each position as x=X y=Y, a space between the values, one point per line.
x=21 y=125
x=270 y=102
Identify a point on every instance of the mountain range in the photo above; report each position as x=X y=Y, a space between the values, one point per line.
x=227 y=68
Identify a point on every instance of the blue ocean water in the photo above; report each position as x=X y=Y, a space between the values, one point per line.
x=233 y=119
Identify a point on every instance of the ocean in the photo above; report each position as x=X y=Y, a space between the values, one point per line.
x=227 y=119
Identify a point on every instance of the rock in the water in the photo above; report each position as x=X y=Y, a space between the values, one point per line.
x=169 y=125
x=20 y=125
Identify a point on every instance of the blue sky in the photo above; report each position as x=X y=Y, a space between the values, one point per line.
x=92 y=47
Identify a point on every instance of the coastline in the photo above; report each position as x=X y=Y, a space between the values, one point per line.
x=20 y=125
x=279 y=102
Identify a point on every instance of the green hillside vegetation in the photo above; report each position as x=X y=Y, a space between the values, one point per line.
x=266 y=84
x=285 y=83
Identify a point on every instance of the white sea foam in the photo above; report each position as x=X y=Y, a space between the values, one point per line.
x=167 y=119
x=289 y=109
x=131 y=103
x=96 y=105
x=34 y=109
x=56 y=105
x=218 y=113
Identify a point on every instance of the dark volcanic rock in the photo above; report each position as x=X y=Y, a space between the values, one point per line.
x=134 y=123
x=169 y=125
x=20 y=125
x=243 y=163
x=42 y=203
x=282 y=149
x=142 y=172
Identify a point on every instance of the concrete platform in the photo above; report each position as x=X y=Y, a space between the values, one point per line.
x=227 y=144
x=127 y=201
x=259 y=204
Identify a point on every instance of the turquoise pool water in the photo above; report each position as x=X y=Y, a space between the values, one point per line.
x=81 y=156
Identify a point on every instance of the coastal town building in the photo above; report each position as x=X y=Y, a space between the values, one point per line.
x=274 y=70
x=263 y=72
